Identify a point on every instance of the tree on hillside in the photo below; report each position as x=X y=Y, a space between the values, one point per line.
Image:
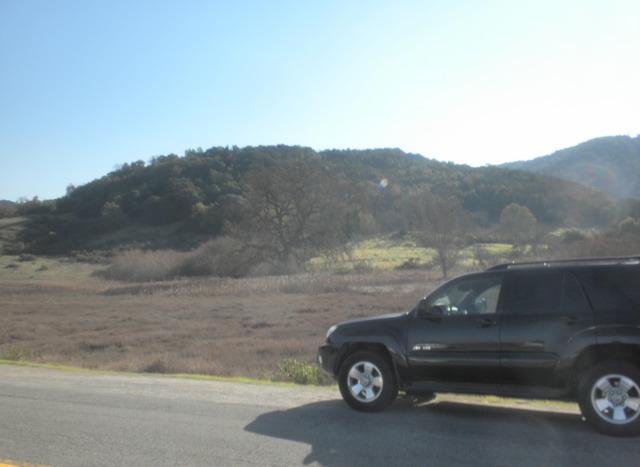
x=293 y=210
x=440 y=222
x=519 y=226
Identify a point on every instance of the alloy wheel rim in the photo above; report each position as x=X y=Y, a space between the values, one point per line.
x=365 y=381
x=616 y=399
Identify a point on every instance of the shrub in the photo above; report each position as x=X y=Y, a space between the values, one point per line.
x=410 y=264
x=143 y=266
x=299 y=372
x=222 y=257
x=16 y=354
x=157 y=366
x=572 y=236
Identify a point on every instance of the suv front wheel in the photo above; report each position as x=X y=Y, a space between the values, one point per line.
x=609 y=398
x=367 y=382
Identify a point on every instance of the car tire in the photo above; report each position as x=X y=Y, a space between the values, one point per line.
x=609 y=398
x=367 y=381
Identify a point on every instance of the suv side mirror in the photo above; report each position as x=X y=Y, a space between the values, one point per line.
x=424 y=310
x=421 y=307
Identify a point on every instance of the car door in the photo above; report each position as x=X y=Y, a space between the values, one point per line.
x=454 y=334
x=545 y=314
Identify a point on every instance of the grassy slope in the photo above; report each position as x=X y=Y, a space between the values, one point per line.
x=32 y=267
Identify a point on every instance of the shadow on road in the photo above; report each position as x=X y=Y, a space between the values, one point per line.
x=435 y=433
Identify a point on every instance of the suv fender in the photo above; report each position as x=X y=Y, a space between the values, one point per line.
x=385 y=344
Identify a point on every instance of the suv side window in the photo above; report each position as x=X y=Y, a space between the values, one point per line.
x=613 y=288
x=468 y=296
x=545 y=292
x=625 y=284
x=534 y=293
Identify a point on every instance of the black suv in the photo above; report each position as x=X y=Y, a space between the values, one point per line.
x=565 y=330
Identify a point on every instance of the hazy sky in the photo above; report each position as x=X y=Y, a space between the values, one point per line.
x=88 y=85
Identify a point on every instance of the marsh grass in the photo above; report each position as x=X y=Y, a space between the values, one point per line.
x=57 y=311
x=221 y=327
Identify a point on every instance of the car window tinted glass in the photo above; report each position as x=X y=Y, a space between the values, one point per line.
x=474 y=295
x=625 y=284
x=535 y=292
x=613 y=288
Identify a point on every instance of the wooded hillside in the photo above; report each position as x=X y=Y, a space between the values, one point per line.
x=184 y=201
x=609 y=164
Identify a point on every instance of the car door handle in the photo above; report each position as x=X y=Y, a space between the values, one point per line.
x=485 y=322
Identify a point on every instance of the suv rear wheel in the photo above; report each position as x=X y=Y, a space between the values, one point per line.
x=609 y=398
x=367 y=382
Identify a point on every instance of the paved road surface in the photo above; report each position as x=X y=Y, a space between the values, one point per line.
x=62 y=418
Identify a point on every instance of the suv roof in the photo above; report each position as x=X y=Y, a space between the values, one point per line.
x=603 y=261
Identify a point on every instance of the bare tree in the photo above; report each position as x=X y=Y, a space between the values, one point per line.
x=439 y=221
x=293 y=210
x=519 y=226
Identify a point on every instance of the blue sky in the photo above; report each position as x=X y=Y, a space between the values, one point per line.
x=88 y=85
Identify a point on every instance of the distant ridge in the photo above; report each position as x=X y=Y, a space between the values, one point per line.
x=610 y=164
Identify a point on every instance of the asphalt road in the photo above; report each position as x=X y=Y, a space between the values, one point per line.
x=62 y=418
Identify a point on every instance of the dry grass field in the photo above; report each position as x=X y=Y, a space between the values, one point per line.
x=222 y=327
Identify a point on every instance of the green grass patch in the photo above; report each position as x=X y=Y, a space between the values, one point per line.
x=16 y=354
x=39 y=267
x=27 y=266
x=511 y=402
x=495 y=248
x=378 y=253
x=388 y=254
x=263 y=381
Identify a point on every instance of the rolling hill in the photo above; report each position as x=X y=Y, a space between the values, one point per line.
x=179 y=201
x=610 y=164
